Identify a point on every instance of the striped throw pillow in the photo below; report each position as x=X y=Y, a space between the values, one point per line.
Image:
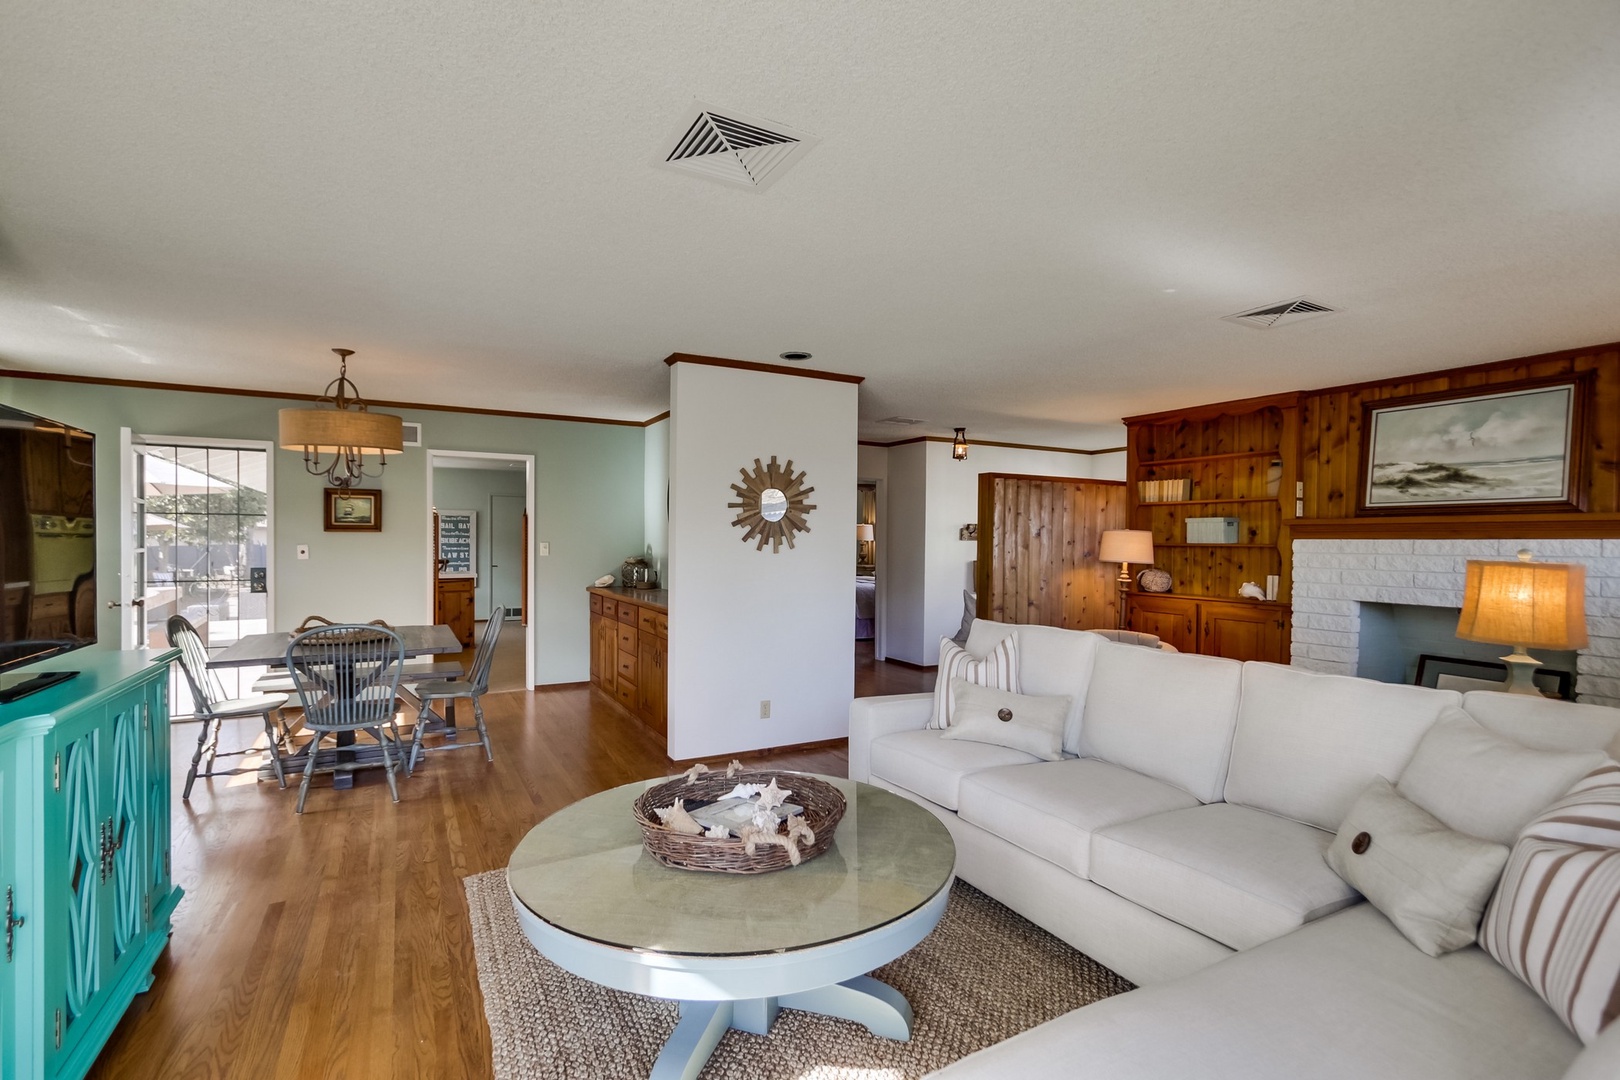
x=1555 y=919
x=998 y=669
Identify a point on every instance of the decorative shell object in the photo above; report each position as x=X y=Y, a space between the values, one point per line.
x=1154 y=580
x=671 y=836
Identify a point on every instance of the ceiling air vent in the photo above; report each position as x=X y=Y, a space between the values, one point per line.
x=903 y=421
x=732 y=147
x=1289 y=311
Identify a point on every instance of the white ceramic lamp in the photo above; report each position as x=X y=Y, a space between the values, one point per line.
x=1528 y=605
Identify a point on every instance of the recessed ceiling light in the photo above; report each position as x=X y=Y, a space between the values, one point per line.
x=1167 y=290
x=795 y=354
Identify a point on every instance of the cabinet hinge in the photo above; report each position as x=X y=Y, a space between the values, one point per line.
x=56 y=771
x=59 y=1029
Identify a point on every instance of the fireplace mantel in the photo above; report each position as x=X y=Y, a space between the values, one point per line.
x=1472 y=527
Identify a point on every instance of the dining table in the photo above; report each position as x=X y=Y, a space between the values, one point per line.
x=270 y=651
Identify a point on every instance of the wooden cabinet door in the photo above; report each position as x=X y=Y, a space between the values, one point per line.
x=604 y=651
x=1243 y=631
x=650 y=684
x=1174 y=619
x=455 y=607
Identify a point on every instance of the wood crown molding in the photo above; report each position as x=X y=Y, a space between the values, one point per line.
x=1434 y=527
x=774 y=369
x=987 y=442
x=283 y=395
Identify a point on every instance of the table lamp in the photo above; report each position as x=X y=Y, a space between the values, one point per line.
x=864 y=534
x=1125 y=546
x=1528 y=605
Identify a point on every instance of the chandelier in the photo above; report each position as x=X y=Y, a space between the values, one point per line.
x=338 y=441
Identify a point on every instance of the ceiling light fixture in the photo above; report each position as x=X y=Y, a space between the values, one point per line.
x=959 y=445
x=795 y=354
x=337 y=441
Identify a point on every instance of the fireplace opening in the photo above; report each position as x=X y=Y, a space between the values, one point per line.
x=1399 y=639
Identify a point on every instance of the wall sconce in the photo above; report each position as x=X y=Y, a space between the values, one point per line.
x=959 y=445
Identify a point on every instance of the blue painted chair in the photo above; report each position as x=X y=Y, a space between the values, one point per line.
x=432 y=693
x=347 y=678
x=214 y=707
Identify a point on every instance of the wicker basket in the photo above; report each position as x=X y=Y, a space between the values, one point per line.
x=823 y=808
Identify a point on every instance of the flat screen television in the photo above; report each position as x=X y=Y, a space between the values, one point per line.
x=47 y=547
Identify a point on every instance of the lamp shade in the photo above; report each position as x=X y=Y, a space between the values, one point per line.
x=1126 y=546
x=864 y=531
x=1524 y=603
x=333 y=431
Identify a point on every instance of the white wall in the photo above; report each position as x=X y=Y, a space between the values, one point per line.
x=747 y=625
x=930 y=497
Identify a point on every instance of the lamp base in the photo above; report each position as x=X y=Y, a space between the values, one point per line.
x=1521 y=668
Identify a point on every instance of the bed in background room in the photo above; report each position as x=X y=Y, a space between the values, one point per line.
x=865 y=606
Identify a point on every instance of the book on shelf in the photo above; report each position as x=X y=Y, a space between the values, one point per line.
x=1153 y=491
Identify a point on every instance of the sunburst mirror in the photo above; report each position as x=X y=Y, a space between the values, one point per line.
x=773 y=505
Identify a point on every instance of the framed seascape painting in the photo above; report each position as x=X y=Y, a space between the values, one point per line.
x=353 y=510
x=1515 y=447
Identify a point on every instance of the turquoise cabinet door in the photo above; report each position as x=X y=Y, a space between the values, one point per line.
x=129 y=826
x=159 y=873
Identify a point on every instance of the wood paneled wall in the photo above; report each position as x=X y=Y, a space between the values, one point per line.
x=1330 y=424
x=1038 y=541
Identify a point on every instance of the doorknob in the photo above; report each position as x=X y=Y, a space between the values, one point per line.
x=138 y=603
x=114 y=603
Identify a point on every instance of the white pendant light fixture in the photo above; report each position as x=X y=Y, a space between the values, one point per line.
x=338 y=441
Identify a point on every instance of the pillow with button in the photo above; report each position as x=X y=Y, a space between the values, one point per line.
x=1017 y=721
x=1433 y=883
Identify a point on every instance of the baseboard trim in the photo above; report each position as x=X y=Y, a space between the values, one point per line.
x=560 y=685
x=766 y=751
x=909 y=664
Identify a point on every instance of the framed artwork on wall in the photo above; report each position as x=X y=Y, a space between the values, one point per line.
x=1455 y=673
x=353 y=510
x=458 y=544
x=1521 y=446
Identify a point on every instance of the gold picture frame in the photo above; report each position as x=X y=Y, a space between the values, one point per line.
x=353 y=510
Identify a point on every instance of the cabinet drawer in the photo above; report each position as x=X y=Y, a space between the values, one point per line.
x=661 y=621
x=596 y=603
x=625 y=691
x=627 y=612
x=627 y=638
x=610 y=608
x=627 y=667
x=647 y=620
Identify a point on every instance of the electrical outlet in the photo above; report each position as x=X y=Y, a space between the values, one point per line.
x=303 y=551
x=765 y=709
x=542 y=548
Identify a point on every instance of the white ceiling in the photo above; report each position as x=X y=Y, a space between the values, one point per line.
x=1026 y=218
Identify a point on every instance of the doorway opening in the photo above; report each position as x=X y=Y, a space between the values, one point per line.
x=870 y=615
x=480 y=506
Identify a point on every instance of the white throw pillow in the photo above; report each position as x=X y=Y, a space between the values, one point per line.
x=1552 y=921
x=1430 y=881
x=1016 y=721
x=1477 y=782
x=997 y=668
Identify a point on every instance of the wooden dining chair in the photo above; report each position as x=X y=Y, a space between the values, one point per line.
x=347 y=677
x=433 y=693
x=214 y=707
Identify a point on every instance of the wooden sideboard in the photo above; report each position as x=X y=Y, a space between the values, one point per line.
x=630 y=649
x=1235 y=629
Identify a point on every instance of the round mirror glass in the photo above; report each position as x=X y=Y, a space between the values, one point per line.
x=772 y=504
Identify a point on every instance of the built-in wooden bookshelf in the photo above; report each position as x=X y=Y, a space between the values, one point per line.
x=1238 y=459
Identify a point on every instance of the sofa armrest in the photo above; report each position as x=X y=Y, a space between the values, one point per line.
x=871 y=718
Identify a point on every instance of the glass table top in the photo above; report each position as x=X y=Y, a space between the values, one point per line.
x=583 y=870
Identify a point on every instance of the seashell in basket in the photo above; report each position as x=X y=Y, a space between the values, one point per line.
x=823 y=808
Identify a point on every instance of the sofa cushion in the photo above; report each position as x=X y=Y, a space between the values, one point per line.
x=1485 y=784
x=1051 y=662
x=932 y=766
x=1345 y=998
x=1432 y=882
x=1307 y=745
x=1051 y=809
x=1167 y=715
x=1238 y=875
x=1019 y=721
x=997 y=667
x=1545 y=723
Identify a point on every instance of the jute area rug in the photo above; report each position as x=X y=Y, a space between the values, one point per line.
x=982 y=976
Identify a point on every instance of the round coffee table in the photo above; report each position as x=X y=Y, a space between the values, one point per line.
x=735 y=948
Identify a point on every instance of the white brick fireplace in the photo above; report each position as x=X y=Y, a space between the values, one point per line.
x=1333 y=578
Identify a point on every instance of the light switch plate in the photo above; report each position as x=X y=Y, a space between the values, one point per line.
x=303 y=551
x=542 y=548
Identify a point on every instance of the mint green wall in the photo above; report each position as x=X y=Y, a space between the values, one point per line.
x=589 y=506
x=471 y=489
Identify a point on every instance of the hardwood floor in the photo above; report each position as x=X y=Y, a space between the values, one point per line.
x=337 y=944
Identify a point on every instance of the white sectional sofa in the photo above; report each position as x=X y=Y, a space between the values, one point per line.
x=1183 y=844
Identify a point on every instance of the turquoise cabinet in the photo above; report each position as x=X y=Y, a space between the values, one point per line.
x=84 y=849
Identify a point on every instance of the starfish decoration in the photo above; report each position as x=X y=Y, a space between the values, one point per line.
x=772 y=796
